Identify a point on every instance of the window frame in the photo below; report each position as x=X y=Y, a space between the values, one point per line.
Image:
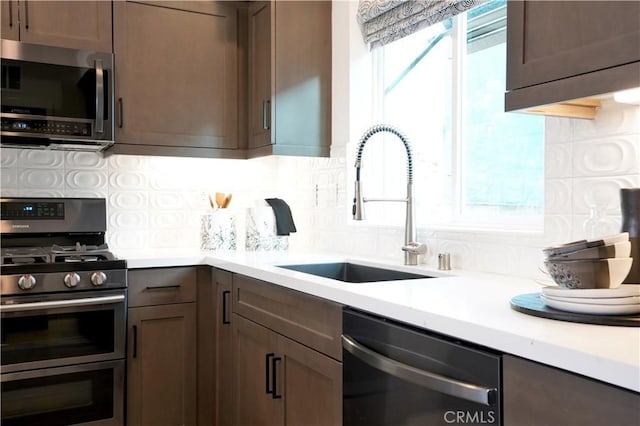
x=457 y=218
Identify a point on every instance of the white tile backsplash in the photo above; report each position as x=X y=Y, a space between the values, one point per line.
x=158 y=201
x=600 y=191
x=608 y=156
x=42 y=179
x=557 y=160
x=34 y=158
x=557 y=195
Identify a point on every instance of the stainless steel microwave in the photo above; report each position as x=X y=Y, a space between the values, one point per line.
x=56 y=98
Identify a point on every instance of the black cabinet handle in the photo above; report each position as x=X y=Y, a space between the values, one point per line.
x=266 y=104
x=26 y=15
x=135 y=341
x=225 y=297
x=120 y=113
x=274 y=376
x=10 y=13
x=267 y=376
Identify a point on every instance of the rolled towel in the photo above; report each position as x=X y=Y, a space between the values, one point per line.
x=282 y=212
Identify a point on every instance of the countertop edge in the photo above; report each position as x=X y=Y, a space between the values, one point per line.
x=605 y=369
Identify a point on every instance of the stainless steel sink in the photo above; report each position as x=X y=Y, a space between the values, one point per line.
x=353 y=273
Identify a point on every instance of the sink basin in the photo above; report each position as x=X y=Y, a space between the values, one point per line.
x=353 y=273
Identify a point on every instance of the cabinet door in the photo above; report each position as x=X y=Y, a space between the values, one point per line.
x=72 y=24
x=260 y=74
x=302 y=115
x=161 y=365
x=224 y=354
x=254 y=351
x=312 y=386
x=551 y=40
x=9 y=19
x=176 y=78
x=290 y=78
x=535 y=394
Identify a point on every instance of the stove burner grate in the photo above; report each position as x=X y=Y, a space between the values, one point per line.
x=80 y=253
x=24 y=255
x=55 y=254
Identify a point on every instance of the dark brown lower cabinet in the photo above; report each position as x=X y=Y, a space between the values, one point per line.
x=224 y=356
x=161 y=365
x=537 y=395
x=215 y=356
x=312 y=385
x=281 y=382
x=252 y=345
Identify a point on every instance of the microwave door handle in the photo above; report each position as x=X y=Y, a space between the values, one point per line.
x=99 y=96
x=57 y=304
x=468 y=391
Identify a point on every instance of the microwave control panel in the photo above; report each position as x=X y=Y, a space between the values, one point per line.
x=46 y=127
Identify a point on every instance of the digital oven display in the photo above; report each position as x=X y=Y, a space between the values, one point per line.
x=30 y=211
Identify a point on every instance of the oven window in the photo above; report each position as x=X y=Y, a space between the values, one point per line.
x=59 y=399
x=50 y=90
x=44 y=336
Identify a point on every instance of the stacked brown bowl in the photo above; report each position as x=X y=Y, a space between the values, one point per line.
x=602 y=263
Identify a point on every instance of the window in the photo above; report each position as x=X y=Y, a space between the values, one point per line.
x=475 y=165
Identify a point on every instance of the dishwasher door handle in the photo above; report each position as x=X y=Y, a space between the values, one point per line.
x=436 y=382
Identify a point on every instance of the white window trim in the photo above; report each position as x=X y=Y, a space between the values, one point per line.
x=529 y=225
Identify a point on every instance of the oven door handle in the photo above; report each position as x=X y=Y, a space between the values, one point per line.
x=427 y=379
x=56 y=304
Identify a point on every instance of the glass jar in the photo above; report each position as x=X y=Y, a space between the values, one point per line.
x=599 y=224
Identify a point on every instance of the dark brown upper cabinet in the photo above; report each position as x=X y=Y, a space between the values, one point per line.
x=71 y=24
x=563 y=51
x=177 y=79
x=289 y=78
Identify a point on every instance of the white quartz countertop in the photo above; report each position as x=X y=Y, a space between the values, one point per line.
x=469 y=306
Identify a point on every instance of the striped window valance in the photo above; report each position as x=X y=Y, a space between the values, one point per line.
x=383 y=21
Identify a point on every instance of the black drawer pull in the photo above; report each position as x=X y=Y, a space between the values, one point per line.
x=163 y=287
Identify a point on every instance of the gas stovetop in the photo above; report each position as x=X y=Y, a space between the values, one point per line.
x=56 y=244
x=21 y=260
x=55 y=254
x=32 y=270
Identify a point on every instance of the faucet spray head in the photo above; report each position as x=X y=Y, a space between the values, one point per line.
x=358 y=206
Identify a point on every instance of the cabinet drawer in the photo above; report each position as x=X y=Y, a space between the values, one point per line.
x=309 y=320
x=161 y=286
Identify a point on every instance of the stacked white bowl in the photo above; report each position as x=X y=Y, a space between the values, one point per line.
x=589 y=276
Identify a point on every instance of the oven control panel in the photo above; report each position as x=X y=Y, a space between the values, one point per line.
x=32 y=210
x=25 y=216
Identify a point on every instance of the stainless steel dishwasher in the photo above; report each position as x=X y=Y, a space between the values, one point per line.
x=395 y=374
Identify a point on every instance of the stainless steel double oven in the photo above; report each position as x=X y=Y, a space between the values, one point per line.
x=63 y=307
